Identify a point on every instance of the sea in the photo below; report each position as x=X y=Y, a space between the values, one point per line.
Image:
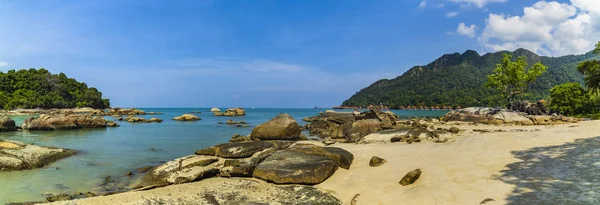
x=117 y=151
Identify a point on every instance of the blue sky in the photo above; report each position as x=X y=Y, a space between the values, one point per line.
x=278 y=53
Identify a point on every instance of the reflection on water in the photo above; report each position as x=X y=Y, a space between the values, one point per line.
x=116 y=151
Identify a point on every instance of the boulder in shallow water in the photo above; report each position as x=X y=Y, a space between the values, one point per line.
x=214 y=109
x=186 y=117
x=282 y=127
x=234 y=112
x=7 y=124
x=155 y=120
x=19 y=156
x=63 y=122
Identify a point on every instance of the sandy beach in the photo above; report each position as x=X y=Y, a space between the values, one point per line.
x=543 y=165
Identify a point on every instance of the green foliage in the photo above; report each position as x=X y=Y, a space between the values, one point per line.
x=459 y=79
x=570 y=99
x=512 y=79
x=38 y=88
x=590 y=69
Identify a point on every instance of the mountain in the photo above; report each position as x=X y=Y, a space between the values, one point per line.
x=38 y=88
x=458 y=80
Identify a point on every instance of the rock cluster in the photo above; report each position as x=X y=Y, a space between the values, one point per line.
x=7 y=124
x=119 y=111
x=19 y=156
x=502 y=116
x=133 y=119
x=273 y=156
x=63 y=122
x=351 y=127
x=230 y=112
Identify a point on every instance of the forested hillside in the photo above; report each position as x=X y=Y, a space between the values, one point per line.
x=458 y=80
x=38 y=88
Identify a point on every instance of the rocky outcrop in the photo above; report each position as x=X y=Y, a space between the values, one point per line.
x=186 y=117
x=278 y=161
x=503 y=116
x=282 y=127
x=351 y=127
x=538 y=108
x=19 y=156
x=63 y=122
x=354 y=131
x=119 y=111
x=234 y=112
x=7 y=124
x=214 y=109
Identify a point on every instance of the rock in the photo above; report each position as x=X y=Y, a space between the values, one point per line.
x=7 y=124
x=136 y=120
x=186 y=117
x=214 y=109
x=110 y=123
x=230 y=122
x=60 y=197
x=63 y=122
x=410 y=177
x=454 y=130
x=541 y=119
x=376 y=161
x=206 y=151
x=290 y=167
x=342 y=157
x=144 y=169
x=354 y=131
x=218 y=114
x=487 y=200
x=155 y=120
x=182 y=170
x=19 y=156
x=329 y=111
x=129 y=173
x=282 y=127
x=234 y=112
x=240 y=138
x=241 y=149
x=398 y=138
x=123 y=111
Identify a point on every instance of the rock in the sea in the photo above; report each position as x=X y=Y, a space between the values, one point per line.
x=7 y=124
x=234 y=112
x=214 y=109
x=410 y=177
x=110 y=123
x=186 y=117
x=19 y=156
x=133 y=119
x=282 y=127
x=376 y=161
x=155 y=120
x=354 y=131
x=290 y=167
x=182 y=170
x=63 y=122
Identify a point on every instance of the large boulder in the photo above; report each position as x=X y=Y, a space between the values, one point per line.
x=63 y=122
x=291 y=167
x=186 y=117
x=508 y=117
x=19 y=156
x=234 y=112
x=342 y=157
x=214 y=109
x=241 y=149
x=282 y=127
x=470 y=114
x=182 y=170
x=7 y=124
x=354 y=131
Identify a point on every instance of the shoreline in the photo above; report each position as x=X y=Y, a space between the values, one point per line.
x=472 y=168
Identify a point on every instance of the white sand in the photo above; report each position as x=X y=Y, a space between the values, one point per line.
x=462 y=172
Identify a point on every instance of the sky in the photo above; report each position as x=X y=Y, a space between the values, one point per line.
x=271 y=53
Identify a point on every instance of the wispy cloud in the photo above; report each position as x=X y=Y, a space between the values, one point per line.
x=477 y=3
x=451 y=14
x=3 y=64
x=423 y=4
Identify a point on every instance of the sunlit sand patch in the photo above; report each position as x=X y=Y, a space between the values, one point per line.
x=9 y=145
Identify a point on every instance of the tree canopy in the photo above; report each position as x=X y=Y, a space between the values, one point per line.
x=512 y=79
x=569 y=99
x=38 y=88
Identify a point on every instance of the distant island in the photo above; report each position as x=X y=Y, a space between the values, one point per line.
x=458 y=80
x=38 y=88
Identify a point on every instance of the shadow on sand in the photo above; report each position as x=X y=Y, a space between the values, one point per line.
x=562 y=174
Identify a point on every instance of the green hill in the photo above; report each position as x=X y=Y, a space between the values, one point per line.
x=38 y=88
x=458 y=80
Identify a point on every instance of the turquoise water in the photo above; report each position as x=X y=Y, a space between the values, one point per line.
x=115 y=151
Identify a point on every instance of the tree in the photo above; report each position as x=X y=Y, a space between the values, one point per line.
x=569 y=99
x=590 y=69
x=512 y=79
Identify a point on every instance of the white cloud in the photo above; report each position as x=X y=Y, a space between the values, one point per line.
x=476 y=3
x=451 y=14
x=3 y=64
x=423 y=4
x=466 y=30
x=547 y=28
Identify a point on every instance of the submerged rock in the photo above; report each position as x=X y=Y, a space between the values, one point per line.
x=282 y=127
x=186 y=117
x=19 y=156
